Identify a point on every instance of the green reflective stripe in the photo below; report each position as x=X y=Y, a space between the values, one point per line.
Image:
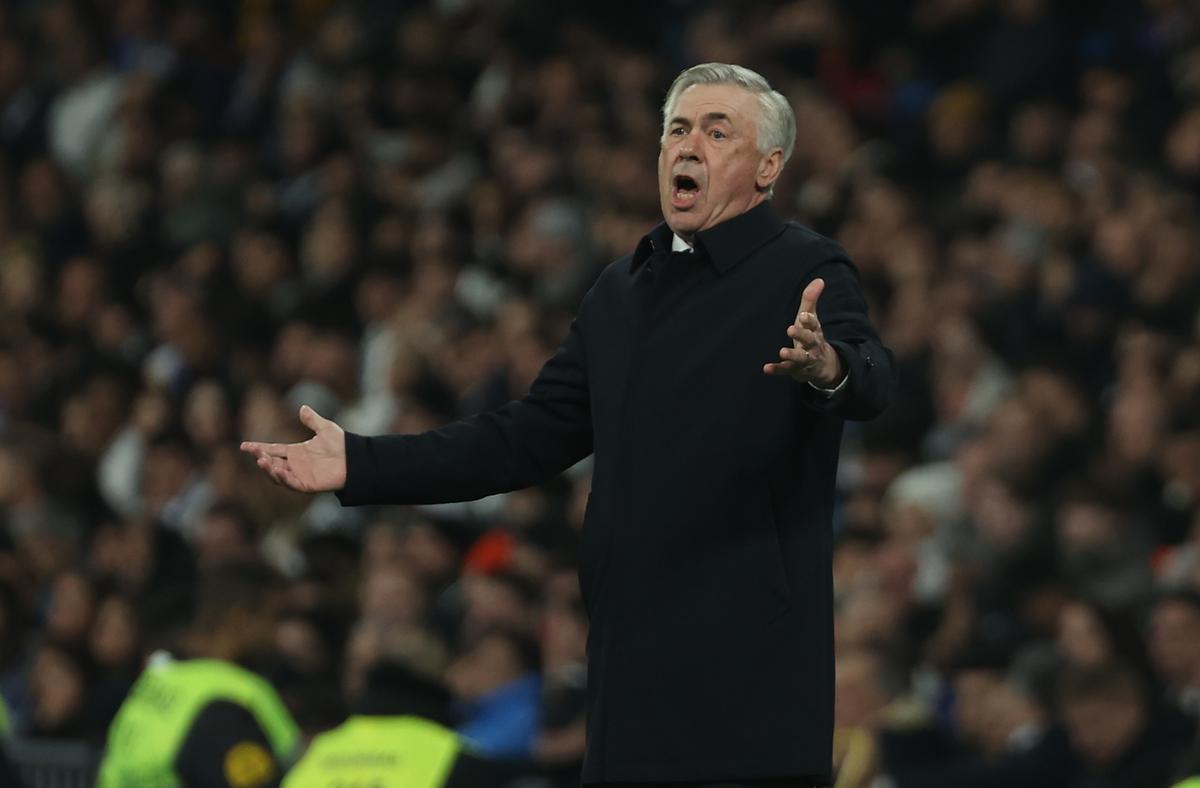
x=5 y=720
x=382 y=752
x=150 y=726
x=1191 y=782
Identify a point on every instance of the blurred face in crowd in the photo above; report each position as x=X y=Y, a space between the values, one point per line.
x=491 y=664
x=70 y=608
x=1087 y=528
x=429 y=553
x=866 y=616
x=222 y=539
x=301 y=644
x=1081 y=638
x=973 y=690
x=1009 y=710
x=1000 y=516
x=1175 y=642
x=370 y=642
x=16 y=476
x=490 y=602
x=166 y=473
x=113 y=640
x=80 y=289
x=381 y=547
x=206 y=414
x=58 y=691
x=392 y=594
x=1103 y=728
x=709 y=166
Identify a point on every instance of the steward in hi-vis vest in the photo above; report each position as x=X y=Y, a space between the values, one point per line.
x=180 y=714
x=207 y=722
x=396 y=740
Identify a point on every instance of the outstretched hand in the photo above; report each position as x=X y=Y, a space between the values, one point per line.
x=316 y=465
x=810 y=359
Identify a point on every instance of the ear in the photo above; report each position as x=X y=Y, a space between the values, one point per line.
x=769 y=167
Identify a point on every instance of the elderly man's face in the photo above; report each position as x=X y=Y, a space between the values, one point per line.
x=709 y=167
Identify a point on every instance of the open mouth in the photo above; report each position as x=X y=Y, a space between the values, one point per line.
x=684 y=191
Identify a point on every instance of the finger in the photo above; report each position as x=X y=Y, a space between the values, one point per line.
x=281 y=473
x=804 y=337
x=268 y=466
x=808 y=299
x=798 y=355
x=311 y=419
x=779 y=368
x=808 y=320
x=264 y=449
x=288 y=479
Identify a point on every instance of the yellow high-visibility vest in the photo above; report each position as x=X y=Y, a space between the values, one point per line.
x=380 y=752
x=154 y=720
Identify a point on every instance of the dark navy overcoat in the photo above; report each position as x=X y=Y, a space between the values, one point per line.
x=706 y=549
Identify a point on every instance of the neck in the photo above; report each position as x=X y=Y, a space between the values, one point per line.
x=756 y=199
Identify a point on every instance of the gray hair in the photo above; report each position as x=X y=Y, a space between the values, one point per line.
x=776 y=121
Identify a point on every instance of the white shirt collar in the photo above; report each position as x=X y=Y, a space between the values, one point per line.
x=680 y=245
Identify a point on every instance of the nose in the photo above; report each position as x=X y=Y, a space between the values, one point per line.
x=689 y=148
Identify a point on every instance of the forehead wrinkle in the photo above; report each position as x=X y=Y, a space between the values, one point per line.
x=725 y=97
x=706 y=117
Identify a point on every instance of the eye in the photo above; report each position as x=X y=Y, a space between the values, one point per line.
x=717 y=134
x=677 y=131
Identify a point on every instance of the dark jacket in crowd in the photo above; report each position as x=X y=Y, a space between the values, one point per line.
x=1047 y=763
x=1151 y=761
x=706 y=557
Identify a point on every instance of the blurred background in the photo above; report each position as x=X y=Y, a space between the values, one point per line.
x=213 y=212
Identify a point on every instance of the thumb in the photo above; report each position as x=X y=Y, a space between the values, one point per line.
x=808 y=300
x=311 y=419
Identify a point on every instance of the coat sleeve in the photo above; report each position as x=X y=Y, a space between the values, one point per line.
x=842 y=310
x=518 y=445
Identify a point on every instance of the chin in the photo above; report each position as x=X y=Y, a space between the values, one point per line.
x=683 y=223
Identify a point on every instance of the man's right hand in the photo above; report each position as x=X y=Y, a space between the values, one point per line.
x=316 y=465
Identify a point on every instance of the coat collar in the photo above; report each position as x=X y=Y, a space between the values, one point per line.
x=725 y=245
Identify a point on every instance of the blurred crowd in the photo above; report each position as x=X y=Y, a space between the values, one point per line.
x=214 y=212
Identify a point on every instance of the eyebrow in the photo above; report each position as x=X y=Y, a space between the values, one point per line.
x=706 y=116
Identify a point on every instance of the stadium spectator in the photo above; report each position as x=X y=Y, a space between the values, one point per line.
x=1119 y=734
x=224 y=535
x=115 y=649
x=396 y=736
x=497 y=686
x=58 y=691
x=1174 y=641
x=196 y=716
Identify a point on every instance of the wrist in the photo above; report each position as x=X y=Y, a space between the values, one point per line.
x=834 y=374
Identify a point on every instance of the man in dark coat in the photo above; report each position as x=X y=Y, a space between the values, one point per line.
x=706 y=559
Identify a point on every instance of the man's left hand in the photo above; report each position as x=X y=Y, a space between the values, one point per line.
x=810 y=359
